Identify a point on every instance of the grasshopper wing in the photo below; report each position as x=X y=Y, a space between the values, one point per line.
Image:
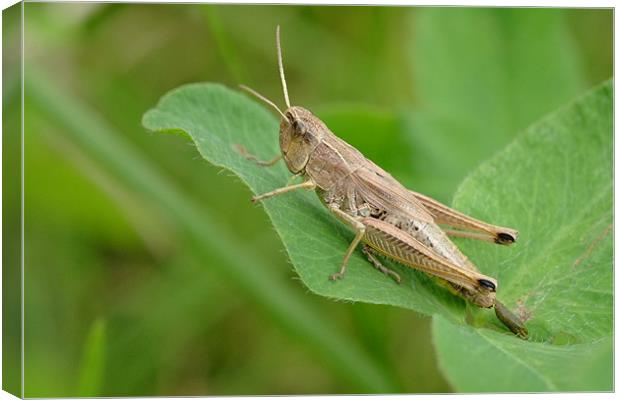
x=393 y=203
x=386 y=195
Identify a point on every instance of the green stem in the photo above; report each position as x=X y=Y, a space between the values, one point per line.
x=227 y=52
x=212 y=241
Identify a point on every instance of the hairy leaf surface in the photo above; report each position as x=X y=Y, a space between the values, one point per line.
x=554 y=184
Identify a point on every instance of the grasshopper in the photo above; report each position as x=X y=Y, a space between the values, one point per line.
x=388 y=219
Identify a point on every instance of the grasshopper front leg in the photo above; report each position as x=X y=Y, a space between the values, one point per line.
x=309 y=184
x=445 y=215
x=262 y=163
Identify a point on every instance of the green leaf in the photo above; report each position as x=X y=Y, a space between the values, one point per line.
x=554 y=184
x=217 y=118
x=506 y=364
x=478 y=76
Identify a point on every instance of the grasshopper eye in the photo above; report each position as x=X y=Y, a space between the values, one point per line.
x=487 y=284
x=299 y=127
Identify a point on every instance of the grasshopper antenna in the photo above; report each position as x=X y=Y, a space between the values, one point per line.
x=281 y=67
x=263 y=98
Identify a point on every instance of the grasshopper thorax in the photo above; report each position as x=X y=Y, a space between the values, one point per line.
x=300 y=133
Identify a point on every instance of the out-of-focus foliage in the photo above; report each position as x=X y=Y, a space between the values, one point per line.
x=101 y=249
x=11 y=204
x=476 y=87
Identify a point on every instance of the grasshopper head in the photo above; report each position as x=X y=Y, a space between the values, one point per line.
x=300 y=133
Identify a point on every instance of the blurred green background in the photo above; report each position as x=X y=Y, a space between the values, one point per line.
x=119 y=302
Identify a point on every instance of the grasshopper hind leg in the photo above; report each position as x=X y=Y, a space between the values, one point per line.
x=368 y=252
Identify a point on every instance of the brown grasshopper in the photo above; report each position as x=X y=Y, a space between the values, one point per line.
x=388 y=219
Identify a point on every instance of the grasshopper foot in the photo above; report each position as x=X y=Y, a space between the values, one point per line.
x=336 y=276
x=367 y=250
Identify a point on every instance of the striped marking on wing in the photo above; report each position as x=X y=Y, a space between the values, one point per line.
x=382 y=191
x=404 y=248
